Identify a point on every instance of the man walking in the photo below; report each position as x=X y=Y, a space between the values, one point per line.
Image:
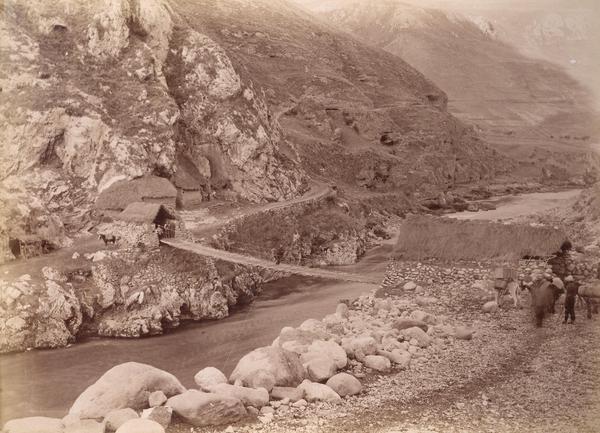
x=572 y=287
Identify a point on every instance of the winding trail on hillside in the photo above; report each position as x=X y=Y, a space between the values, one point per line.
x=318 y=191
x=227 y=256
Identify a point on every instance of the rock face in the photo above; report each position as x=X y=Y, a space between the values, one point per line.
x=57 y=157
x=51 y=320
x=126 y=385
x=203 y=409
x=285 y=366
x=120 y=298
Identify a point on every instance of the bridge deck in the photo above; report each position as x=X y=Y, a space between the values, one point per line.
x=227 y=256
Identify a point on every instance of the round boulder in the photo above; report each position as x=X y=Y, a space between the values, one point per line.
x=344 y=384
x=125 y=385
x=208 y=377
x=34 y=424
x=284 y=365
x=203 y=409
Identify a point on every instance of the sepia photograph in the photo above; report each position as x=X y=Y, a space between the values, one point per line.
x=311 y=216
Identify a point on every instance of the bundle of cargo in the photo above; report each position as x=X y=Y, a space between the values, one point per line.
x=590 y=289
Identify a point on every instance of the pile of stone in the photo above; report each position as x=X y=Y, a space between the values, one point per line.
x=319 y=364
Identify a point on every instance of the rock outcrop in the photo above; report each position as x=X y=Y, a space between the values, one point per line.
x=124 y=386
x=109 y=295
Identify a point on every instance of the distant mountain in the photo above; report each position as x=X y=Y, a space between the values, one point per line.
x=527 y=107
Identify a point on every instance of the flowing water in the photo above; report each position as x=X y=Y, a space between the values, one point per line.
x=47 y=382
x=522 y=205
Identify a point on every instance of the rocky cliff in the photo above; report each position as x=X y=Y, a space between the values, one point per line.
x=100 y=91
x=105 y=295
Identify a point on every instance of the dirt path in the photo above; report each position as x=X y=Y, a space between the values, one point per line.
x=206 y=221
x=253 y=261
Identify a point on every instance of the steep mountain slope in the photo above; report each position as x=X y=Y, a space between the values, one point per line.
x=250 y=94
x=339 y=100
x=528 y=108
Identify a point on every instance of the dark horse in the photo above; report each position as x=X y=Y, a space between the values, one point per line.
x=543 y=298
x=108 y=239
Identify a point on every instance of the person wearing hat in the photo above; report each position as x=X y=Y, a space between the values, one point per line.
x=572 y=288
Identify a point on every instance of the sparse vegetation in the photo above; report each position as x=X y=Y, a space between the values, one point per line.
x=448 y=239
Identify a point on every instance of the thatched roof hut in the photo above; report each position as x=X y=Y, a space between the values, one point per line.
x=451 y=239
x=146 y=213
x=150 y=189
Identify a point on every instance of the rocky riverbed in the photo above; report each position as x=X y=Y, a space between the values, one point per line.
x=422 y=343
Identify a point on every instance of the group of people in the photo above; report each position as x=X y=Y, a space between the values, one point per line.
x=545 y=291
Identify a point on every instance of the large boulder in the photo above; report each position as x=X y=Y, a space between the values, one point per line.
x=400 y=357
x=330 y=349
x=378 y=363
x=160 y=414
x=284 y=365
x=85 y=426
x=319 y=366
x=157 y=398
x=422 y=316
x=249 y=396
x=34 y=424
x=344 y=384
x=126 y=385
x=283 y=392
x=208 y=377
x=358 y=347
x=403 y=323
x=490 y=307
x=203 y=409
x=262 y=379
x=116 y=418
x=319 y=392
x=418 y=334
x=141 y=425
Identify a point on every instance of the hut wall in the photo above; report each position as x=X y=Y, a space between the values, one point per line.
x=187 y=198
x=132 y=235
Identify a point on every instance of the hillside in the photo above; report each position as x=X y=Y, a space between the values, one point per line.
x=525 y=107
x=244 y=98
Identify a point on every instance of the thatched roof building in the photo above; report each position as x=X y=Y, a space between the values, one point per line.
x=424 y=237
x=146 y=213
x=149 y=189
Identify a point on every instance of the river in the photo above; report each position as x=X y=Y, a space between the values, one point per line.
x=522 y=205
x=46 y=382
